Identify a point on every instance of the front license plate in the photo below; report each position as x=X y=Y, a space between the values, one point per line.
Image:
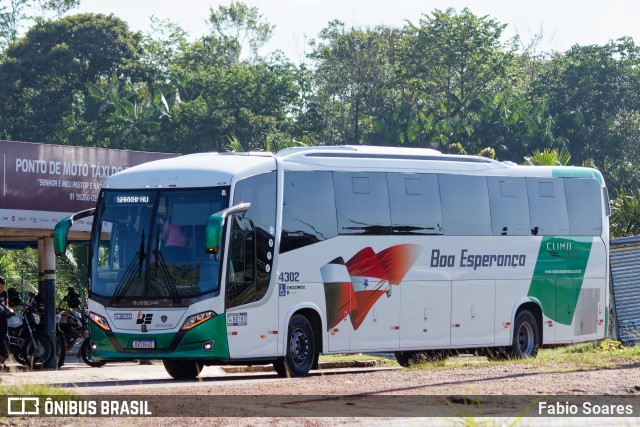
x=144 y=344
x=237 y=319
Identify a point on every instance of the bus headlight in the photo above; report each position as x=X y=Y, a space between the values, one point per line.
x=197 y=319
x=100 y=321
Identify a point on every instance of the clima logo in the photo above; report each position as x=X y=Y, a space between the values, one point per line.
x=23 y=406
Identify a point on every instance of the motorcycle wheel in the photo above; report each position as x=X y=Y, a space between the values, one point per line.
x=38 y=350
x=17 y=354
x=85 y=352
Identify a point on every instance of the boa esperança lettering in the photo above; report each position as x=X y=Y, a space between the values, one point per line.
x=475 y=261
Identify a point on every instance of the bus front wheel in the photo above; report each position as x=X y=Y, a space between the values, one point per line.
x=300 y=351
x=182 y=369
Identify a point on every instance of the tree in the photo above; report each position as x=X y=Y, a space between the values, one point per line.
x=457 y=56
x=14 y=15
x=19 y=267
x=548 y=157
x=590 y=91
x=242 y=25
x=250 y=102
x=132 y=116
x=354 y=78
x=43 y=93
x=455 y=64
x=625 y=214
x=162 y=52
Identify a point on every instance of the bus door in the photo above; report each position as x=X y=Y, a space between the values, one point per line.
x=250 y=301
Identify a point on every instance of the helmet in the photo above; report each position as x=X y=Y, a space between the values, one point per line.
x=13 y=297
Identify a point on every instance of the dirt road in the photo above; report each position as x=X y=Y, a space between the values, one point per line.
x=389 y=394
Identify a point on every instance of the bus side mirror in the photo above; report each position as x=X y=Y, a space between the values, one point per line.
x=213 y=233
x=60 y=233
x=61 y=230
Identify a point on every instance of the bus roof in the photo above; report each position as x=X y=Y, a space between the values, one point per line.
x=417 y=160
x=193 y=170
x=219 y=169
x=385 y=158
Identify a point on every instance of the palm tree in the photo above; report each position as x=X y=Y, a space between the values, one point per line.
x=625 y=214
x=235 y=146
x=548 y=157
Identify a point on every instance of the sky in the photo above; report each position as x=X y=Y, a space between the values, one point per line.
x=562 y=23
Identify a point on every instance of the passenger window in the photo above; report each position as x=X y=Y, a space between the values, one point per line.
x=362 y=203
x=584 y=206
x=509 y=206
x=547 y=206
x=309 y=211
x=465 y=205
x=415 y=203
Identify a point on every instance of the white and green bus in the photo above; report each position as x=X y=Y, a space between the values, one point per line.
x=278 y=258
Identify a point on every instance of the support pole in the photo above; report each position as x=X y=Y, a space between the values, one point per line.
x=40 y=267
x=49 y=295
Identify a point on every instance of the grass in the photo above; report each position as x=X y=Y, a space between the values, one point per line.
x=357 y=357
x=578 y=357
x=34 y=390
x=585 y=356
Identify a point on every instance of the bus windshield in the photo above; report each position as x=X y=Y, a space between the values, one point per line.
x=151 y=245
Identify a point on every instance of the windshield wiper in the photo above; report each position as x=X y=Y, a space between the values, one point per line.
x=130 y=272
x=173 y=290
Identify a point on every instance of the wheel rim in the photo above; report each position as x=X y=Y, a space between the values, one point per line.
x=299 y=346
x=35 y=352
x=525 y=339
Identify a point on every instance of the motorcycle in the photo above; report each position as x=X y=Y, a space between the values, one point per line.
x=75 y=325
x=29 y=346
x=60 y=342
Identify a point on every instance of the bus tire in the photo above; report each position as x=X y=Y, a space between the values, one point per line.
x=279 y=367
x=498 y=353
x=434 y=355
x=408 y=358
x=526 y=336
x=87 y=355
x=300 y=351
x=182 y=369
x=405 y=358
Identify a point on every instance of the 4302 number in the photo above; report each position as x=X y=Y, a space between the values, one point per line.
x=289 y=276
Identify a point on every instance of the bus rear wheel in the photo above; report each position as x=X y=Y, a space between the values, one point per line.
x=182 y=369
x=408 y=358
x=526 y=336
x=301 y=351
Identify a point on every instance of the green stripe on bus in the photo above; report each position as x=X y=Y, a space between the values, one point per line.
x=577 y=172
x=558 y=276
x=190 y=347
